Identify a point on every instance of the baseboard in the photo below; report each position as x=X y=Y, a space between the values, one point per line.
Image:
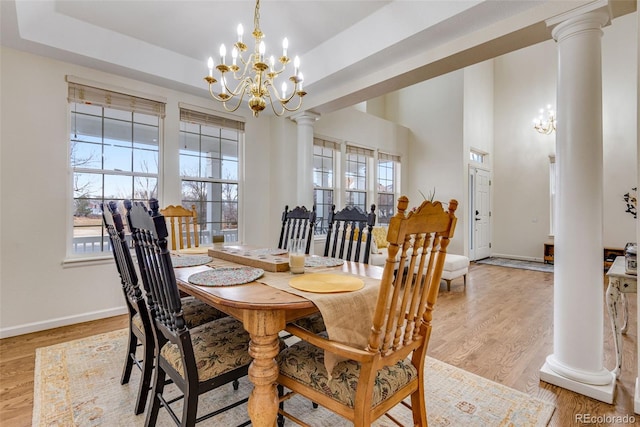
x=61 y=321
x=518 y=257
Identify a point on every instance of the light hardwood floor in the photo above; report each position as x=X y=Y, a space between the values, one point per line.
x=500 y=328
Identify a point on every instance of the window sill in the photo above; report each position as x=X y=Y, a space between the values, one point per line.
x=87 y=261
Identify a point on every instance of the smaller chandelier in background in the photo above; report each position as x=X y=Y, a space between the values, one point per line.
x=545 y=125
x=255 y=75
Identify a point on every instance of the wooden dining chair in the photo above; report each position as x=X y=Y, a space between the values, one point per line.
x=197 y=359
x=140 y=330
x=346 y=233
x=139 y=321
x=390 y=367
x=184 y=226
x=297 y=224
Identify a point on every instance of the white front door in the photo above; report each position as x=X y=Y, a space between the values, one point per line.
x=480 y=214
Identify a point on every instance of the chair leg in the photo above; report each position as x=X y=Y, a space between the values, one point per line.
x=418 y=408
x=464 y=278
x=190 y=405
x=280 y=405
x=145 y=380
x=131 y=353
x=236 y=385
x=159 y=378
x=448 y=284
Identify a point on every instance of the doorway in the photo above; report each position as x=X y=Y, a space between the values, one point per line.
x=479 y=213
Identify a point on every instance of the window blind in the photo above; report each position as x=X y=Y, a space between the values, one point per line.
x=391 y=157
x=359 y=150
x=324 y=143
x=205 y=119
x=110 y=99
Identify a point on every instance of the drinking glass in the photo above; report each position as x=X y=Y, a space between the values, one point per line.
x=296 y=256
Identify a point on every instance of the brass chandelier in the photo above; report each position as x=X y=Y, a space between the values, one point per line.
x=257 y=77
x=548 y=125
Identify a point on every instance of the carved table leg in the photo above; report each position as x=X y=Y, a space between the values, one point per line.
x=614 y=298
x=625 y=313
x=263 y=326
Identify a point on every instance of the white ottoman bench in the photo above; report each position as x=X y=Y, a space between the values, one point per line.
x=454 y=267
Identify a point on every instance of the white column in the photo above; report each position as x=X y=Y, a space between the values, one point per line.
x=577 y=361
x=304 y=172
x=636 y=398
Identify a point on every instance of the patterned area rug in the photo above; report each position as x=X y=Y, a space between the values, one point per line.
x=517 y=263
x=77 y=383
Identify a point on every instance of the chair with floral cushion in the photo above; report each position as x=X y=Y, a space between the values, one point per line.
x=139 y=323
x=375 y=376
x=140 y=332
x=197 y=359
x=347 y=227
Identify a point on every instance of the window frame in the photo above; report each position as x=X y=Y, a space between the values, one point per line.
x=109 y=104
x=323 y=209
x=396 y=171
x=191 y=117
x=364 y=158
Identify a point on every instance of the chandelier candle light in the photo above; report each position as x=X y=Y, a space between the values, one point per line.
x=257 y=77
x=545 y=126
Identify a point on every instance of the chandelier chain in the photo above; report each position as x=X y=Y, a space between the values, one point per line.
x=256 y=17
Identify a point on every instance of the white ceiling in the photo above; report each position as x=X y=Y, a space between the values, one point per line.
x=350 y=50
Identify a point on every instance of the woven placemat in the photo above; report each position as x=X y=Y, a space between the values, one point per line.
x=226 y=276
x=189 y=260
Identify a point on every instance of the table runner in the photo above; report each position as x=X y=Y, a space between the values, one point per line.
x=348 y=316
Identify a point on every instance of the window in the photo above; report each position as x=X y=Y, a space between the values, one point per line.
x=209 y=167
x=476 y=156
x=356 y=176
x=324 y=161
x=388 y=177
x=113 y=146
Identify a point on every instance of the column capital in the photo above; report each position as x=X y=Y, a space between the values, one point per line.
x=592 y=16
x=305 y=118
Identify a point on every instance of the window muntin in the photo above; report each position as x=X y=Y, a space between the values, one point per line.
x=113 y=156
x=209 y=167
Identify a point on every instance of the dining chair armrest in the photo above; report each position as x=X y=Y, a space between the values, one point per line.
x=340 y=349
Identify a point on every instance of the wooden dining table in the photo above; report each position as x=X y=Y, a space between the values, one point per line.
x=264 y=312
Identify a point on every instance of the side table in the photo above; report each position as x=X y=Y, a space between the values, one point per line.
x=620 y=283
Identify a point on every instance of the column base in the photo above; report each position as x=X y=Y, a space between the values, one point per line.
x=636 y=397
x=603 y=393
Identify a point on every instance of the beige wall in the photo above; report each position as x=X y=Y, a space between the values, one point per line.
x=524 y=82
x=433 y=110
